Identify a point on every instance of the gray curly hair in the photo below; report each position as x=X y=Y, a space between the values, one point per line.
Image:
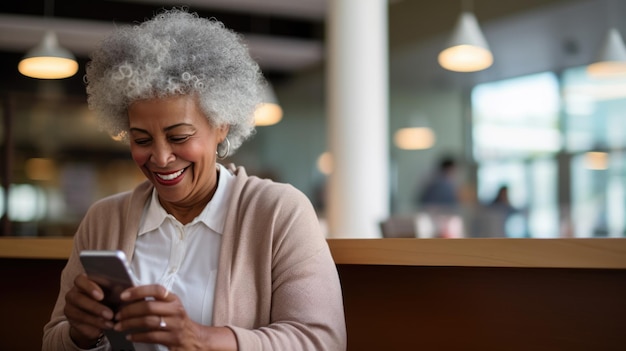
x=176 y=52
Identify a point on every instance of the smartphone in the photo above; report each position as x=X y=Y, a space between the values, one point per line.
x=110 y=270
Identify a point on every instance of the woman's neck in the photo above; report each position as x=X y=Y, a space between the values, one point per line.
x=186 y=212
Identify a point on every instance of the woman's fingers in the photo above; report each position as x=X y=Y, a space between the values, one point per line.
x=147 y=300
x=86 y=315
x=151 y=314
x=77 y=315
x=89 y=287
x=84 y=300
x=166 y=330
x=154 y=291
x=146 y=323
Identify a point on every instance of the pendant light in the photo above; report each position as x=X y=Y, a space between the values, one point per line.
x=467 y=49
x=269 y=111
x=611 y=59
x=48 y=60
x=416 y=135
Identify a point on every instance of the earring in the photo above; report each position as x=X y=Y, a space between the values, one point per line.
x=223 y=155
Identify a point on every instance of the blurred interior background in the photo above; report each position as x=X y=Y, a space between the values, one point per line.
x=535 y=121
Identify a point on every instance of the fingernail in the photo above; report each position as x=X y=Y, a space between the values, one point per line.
x=97 y=295
x=107 y=314
x=124 y=295
x=109 y=325
x=118 y=327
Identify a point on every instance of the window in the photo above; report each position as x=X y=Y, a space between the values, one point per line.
x=516 y=135
x=595 y=134
x=560 y=147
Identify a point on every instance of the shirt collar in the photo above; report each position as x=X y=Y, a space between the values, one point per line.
x=213 y=215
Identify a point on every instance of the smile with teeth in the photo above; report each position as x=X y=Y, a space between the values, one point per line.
x=170 y=176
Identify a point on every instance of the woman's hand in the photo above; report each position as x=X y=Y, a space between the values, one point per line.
x=86 y=315
x=151 y=314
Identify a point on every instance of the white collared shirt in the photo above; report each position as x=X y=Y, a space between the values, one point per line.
x=183 y=258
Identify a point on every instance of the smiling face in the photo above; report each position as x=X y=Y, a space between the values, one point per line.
x=174 y=145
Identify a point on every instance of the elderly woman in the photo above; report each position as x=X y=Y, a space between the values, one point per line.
x=224 y=261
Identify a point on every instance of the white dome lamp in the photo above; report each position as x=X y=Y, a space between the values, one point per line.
x=269 y=111
x=48 y=60
x=611 y=59
x=467 y=49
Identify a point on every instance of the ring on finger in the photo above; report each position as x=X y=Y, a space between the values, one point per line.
x=162 y=323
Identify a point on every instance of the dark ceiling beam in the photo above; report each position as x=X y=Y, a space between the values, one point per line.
x=132 y=12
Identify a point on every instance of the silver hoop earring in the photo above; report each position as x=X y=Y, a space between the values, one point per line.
x=220 y=146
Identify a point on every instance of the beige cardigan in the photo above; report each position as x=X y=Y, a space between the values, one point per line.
x=277 y=285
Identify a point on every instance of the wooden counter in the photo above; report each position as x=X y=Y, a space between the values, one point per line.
x=542 y=253
x=38 y=248
x=410 y=294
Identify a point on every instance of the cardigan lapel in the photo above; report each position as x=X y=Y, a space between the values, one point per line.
x=134 y=211
x=222 y=303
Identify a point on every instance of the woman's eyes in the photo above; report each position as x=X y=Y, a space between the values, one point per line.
x=142 y=141
x=178 y=138
x=172 y=139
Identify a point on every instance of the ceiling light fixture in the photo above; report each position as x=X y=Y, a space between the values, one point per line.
x=467 y=49
x=414 y=138
x=611 y=59
x=596 y=160
x=269 y=111
x=48 y=60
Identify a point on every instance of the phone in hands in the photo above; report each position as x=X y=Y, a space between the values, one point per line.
x=111 y=271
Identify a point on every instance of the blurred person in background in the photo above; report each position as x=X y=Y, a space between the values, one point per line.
x=441 y=190
x=439 y=199
x=496 y=216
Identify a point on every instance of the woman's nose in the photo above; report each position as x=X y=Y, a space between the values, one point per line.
x=162 y=154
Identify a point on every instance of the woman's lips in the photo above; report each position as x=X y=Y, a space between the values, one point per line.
x=170 y=178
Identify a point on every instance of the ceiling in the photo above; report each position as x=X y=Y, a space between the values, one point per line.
x=285 y=36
